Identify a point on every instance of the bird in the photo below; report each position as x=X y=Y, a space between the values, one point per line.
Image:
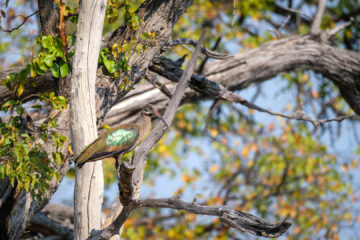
x=120 y=139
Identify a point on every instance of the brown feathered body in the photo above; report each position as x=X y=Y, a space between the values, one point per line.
x=118 y=140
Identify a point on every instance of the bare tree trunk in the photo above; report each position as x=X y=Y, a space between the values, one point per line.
x=89 y=181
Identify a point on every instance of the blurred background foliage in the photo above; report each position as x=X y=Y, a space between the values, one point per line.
x=226 y=154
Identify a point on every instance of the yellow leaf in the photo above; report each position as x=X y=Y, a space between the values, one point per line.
x=181 y=124
x=185 y=178
x=305 y=77
x=245 y=151
x=70 y=150
x=214 y=132
x=288 y=106
x=254 y=147
x=20 y=90
x=179 y=191
x=162 y=149
x=107 y=127
x=315 y=94
x=214 y=168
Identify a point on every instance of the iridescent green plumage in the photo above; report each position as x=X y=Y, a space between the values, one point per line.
x=122 y=137
x=119 y=140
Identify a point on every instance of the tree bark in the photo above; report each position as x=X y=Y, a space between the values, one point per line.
x=89 y=182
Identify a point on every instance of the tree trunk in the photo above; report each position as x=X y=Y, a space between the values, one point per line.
x=89 y=181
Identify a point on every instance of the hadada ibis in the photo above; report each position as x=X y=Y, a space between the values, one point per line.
x=120 y=139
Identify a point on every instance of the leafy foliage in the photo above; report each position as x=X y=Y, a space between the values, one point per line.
x=25 y=162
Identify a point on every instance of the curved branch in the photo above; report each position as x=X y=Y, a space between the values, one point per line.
x=204 y=50
x=240 y=220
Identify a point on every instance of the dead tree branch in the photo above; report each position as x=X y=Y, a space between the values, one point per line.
x=239 y=220
x=216 y=90
x=339 y=28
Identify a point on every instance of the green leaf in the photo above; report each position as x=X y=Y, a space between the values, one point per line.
x=32 y=71
x=9 y=103
x=20 y=110
x=64 y=69
x=55 y=70
x=109 y=64
x=52 y=123
x=59 y=53
x=39 y=70
x=47 y=41
x=138 y=49
x=48 y=60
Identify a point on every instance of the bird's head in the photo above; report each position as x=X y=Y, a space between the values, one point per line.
x=150 y=111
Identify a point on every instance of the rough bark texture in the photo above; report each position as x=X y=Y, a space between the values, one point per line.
x=245 y=69
x=48 y=17
x=89 y=180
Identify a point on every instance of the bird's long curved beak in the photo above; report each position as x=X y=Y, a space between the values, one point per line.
x=158 y=114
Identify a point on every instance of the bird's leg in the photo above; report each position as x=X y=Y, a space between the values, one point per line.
x=118 y=163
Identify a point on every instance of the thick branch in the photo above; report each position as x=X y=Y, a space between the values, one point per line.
x=89 y=180
x=240 y=220
x=48 y=17
x=126 y=189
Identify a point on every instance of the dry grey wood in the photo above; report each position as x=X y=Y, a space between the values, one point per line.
x=240 y=220
x=89 y=180
x=126 y=188
x=315 y=28
x=54 y=220
x=216 y=90
x=204 y=50
x=143 y=150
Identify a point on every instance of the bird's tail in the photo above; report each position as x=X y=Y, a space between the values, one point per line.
x=100 y=156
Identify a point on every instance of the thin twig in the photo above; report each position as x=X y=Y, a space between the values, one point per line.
x=162 y=87
x=18 y=26
x=315 y=28
x=233 y=14
x=202 y=64
x=298 y=12
x=339 y=28
x=204 y=50
x=277 y=31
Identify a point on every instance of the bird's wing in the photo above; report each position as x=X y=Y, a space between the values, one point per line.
x=122 y=139
x=116 y=141
x=113 y=142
